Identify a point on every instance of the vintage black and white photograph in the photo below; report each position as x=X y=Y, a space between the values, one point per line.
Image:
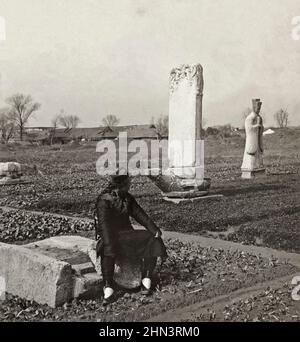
x=149 y=161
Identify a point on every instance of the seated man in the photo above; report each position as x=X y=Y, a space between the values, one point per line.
x=116 y=237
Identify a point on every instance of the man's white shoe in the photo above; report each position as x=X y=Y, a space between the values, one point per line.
x=146 y=286
x=146 y=283
x=108 y=292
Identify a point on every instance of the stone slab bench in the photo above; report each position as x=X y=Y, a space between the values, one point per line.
x=56 y=270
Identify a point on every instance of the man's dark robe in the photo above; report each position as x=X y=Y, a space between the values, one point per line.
x=114 y=231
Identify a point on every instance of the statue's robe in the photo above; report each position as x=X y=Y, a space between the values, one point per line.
x=253 y=153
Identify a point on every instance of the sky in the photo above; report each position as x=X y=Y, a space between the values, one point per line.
x=98 y=57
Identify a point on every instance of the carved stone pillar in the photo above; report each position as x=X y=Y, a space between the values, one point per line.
x=186 y=150
x=185 y=176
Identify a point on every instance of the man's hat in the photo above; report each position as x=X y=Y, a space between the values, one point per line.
x=118 y=179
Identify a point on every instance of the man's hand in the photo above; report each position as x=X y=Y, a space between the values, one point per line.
x=158 y=234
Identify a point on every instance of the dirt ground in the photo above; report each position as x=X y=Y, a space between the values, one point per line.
x=191 y=274
x=264 y=211
x=268 y=302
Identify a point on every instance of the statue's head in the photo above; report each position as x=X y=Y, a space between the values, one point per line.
x=256 y=105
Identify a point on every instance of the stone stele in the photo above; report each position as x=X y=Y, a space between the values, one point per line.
x=184 y=177
x=56 y=270
x=186 y=149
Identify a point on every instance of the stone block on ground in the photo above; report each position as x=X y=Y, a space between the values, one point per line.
x=56 y=270
x=10 y=173
x=78 y=250
x=10 y=169
x=34 y=276
x=73 y=250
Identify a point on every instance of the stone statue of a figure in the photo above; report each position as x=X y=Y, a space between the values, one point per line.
x=253 y=154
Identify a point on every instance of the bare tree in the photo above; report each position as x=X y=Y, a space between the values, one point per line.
x=282 y=118
x=162 y=126
x=21 y=108
x=55 y=121
x=54 y=124
x=110 y=121
x=68 y=121
x=7 y=126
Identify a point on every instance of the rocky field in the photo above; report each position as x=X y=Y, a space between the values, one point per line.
x=264 y=211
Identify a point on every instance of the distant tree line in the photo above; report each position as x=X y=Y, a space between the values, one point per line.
x=14 y=117
x=20 y=108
